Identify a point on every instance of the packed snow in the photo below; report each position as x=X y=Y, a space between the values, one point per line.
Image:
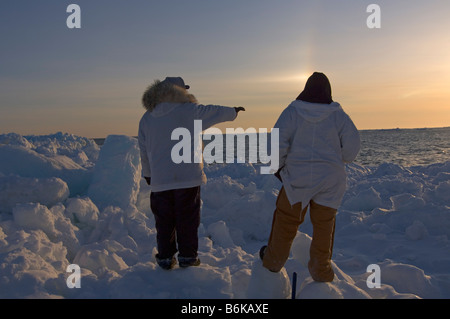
x=65 y=200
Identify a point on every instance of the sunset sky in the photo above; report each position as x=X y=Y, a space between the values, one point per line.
x=252 y=53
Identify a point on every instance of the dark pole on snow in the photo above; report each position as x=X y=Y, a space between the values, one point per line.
x=294 y=285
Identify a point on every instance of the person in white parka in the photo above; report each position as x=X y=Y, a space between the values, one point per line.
x=317 y=138
x=175 y=198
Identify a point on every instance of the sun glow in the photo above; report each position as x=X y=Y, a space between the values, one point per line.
x=290 y=78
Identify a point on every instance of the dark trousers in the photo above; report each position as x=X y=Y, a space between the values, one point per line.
x=177 y=217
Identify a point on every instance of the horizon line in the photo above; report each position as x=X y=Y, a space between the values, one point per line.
x=268 y=132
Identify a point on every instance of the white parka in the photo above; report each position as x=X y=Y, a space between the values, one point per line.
x=156 y=144
x=316 y=140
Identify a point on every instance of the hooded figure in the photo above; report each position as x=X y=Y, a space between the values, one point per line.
x=317 y=138
x=175 y=197
x=317 y=90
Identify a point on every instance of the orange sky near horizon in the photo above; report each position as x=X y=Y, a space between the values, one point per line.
x=255 y=54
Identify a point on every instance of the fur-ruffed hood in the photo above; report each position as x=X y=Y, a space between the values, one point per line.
x=163 y=92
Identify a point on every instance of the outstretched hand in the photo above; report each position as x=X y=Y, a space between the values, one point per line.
x=238 y=109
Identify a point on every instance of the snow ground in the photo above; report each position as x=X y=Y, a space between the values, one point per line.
x=64 y=200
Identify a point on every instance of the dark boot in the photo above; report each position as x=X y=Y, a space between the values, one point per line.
x=262 y=251
x=166 y=263
x=188 y=261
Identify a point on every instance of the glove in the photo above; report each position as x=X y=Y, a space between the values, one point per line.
x=238 y=109
x=277 y=174
x=148 y=180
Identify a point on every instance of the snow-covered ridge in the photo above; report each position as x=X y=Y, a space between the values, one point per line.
x=65 y=200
